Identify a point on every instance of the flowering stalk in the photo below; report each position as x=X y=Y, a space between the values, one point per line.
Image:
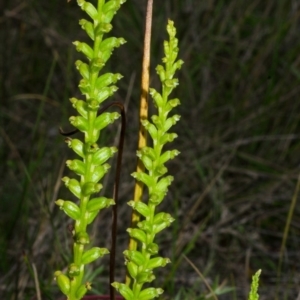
x=140 y=263
x=91 y=166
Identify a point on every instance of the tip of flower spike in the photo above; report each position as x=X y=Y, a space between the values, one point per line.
x=171 y=29
x=80 y=2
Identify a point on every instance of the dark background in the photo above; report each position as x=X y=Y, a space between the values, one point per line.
x=238 y=137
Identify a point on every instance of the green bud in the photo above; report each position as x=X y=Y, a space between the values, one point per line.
x=84 y=86
x=82 y=238
x=80 y=106
x=63 y=282
x=97 y=204
x=93 y=104
x=79 y=122
x=145 y=178
x=103 y=154
x=110 y=6
x=149 y=152
x=132 y=269
x=83 y=69
x=96 y=64
x=137 y=234
x=102 y=28
x=145 y=226
x=172 y=103
x=73 y=185
x=99 y=171
x=107 y=79
x=152 y=248
x=171 y=29
x=163 y=184
x=170 y=122
x=160 y=170
x=85 y=49
x=76 y=145
x=158 y=100
x=176 y=66
x=110 y=43
x=93 y=254
x=141 y=207
x=150 y=128
x=147 y=161
x=76 y=165
x=157 y=262
x=91 y=216
x=161 y=226
x=124 y=290
x=104 y=93
x=135 y=256
x=73 y=270
x=163 y=218
x=168 y=137
x=89 y=8
x=82 y=290
x=156 y=198
x=88 y=27
x=160 y=70
x=150 y=293
x=104 y=119
x=143 y=277
x=166 y=156
x=171 y=83
x=70 y=208
x=90 y=188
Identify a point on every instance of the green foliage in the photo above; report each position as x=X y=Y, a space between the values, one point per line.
x=141 y=263
x=92 y=166
x=253 y=295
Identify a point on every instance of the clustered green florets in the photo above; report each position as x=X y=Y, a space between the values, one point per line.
x=140 y=263
x=92 y=166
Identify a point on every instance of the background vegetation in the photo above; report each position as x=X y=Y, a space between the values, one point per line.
x=239 y=138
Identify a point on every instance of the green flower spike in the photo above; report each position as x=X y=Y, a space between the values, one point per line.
x=140 y=263
x=91 y=165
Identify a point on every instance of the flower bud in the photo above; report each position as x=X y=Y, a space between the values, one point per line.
x=143 y=277
x=88 y=27
x=80 y=106
x=137 y=234
x=92 y=254
x=135 y=256
x=73 y=185
x=91 y=188
x=83 y=69
x=157 y=97
x=76 y=165
x=76 y=145
x=97 y=204
x=132 y=269
x=82 y=238
x=124 y=290
x=141 y=207
x=79 y=122
x=73 y=270
x=103 y=154
x=70 y=208
x=90 y=9
x=63 y=282
x=85 y=49
x=150 y=293
x=157 y=262
x=152 y=248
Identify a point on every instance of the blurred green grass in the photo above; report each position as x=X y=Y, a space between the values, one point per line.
x=238 y=137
